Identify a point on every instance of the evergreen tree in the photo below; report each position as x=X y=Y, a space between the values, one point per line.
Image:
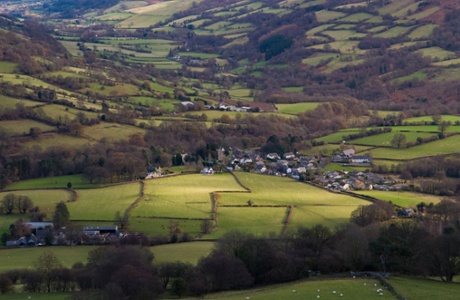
x=61 y=216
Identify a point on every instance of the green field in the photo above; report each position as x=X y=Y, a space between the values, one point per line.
x=358 y=17
x=160 y=227
x=416 y=75
x=340 y=35
x=255 y=220
x=112 y=131
x=184 y=252
x=445 y=146
x=78 y=182
x=425 y=289
x=336 y=137
x=437 y=53
x=328 y=15
x=45 y=199
x=319 y=58
x=429 y=119
x=297 y=108
x=8 y=67
x=183 y=196
x=312 y=205
x=447 y=63
x=48 y=140
x=24 y=258
x=22 y=127
x=107 y=200
x=384 y=139
x=8 y=102
x=393 y=32
x=349 y=288
x=403 y=199
x=422 y=31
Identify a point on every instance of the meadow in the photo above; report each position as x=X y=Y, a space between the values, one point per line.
x=112 y=131
x=297 y=108
x=183 y=196
x=184 y=252
x=45 y=199
x=421 y=289
x=24 y=258
x=445 y=146
x=310 y=289
x=8 y=102
x=108 y=201
x=48 y=140
x=384 y=139
x=401 y=198
x=78 y=182
x=22 y=127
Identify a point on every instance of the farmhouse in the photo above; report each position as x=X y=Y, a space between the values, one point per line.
x=289 y=155
x=97 y=230
x=358 y=159
x=273 y=156
x=348 y=153
x=207 y=171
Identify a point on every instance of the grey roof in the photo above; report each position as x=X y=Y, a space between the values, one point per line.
x=36 y=225
x=96 y=228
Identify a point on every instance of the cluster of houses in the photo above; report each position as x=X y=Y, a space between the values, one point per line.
x=292 y=165
x=355 y=180
x=43 y=233
x=348 y=157
x=272 y=164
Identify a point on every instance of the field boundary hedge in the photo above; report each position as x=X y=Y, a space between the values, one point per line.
x=287 y=219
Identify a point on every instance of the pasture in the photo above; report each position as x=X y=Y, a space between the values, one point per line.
x=107 y=200
x=112 y=131
x=78 y=182
x=184 y=252
x=255 y=220
x=437 y=53
x=8 y=102
x=400 y=198
x=296 y=108
x=425 y=289
x=336 y=137
x=308 y=289
x=447 y=63
x=445 y=146
x=45 y=199
x=429 y=119
x=48 y=140
x=64 y=114
x=183 y=196
x=422 y=31
x=416 y=75
x=384 y=139
x=324 y=16
x=22 y=127
x=8 y=67
x=160 y=226
x=24 y=258
x=393 y=32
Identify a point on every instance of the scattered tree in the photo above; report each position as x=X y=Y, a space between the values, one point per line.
x=61 y=215
x=399 y=140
